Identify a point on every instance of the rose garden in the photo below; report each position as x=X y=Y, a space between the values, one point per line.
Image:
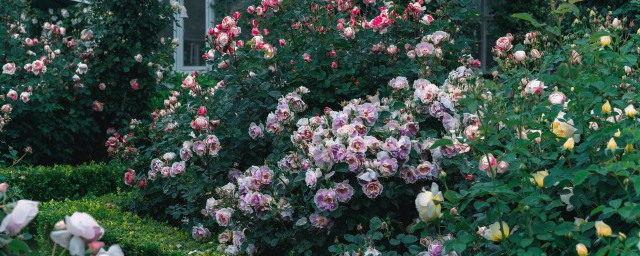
x=320 y=127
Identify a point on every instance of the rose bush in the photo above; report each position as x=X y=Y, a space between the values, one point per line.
x=336 y=50
x=66 y=74
x=539 y=159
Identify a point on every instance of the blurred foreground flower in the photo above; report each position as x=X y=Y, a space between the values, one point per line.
x=428 y=203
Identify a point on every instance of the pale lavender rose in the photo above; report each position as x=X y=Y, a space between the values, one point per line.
x=200 y=233
x=264 y=175
x=424 y=49
x=339 y=121
x=344 y=191
x=200 y=148
x=283 y=112
x=185 y=154
x=326 y=200
x=353 y=160
x=450 y=123
x=437 y=110
x=399 y=83
x=213 y=144
x=388 y=166
x=238 y=238
x=255 y=131
x=408 y=129
x=224 y=237
x=390 y=145
x=156 y=165
x=177 y=168
x=421 y=84
x=23 y=212
x=152 y=175
x=223 y=216
x=368 y=112
x=319 y=221
x=408 y=173
x=310 y=178
x=372 y=189
x=426 y=169
x=368 y=176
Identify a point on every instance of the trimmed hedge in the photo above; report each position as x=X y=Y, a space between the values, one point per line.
x=136 y=235
x=43 y=183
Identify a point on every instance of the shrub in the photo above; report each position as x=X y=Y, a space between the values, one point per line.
x=64 y=181
x=292 y=44
x=136 y=235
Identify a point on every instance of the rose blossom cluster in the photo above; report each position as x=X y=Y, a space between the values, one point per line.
x=223 y=36
x=284 y=113
x=430 y=45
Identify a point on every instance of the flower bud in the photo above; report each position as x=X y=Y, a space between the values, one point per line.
x=569 y=144
x=612 y=145
x=606 y=108
x=630 y=111
x=581 y=249
x=602 y=229
x=60 y=225
x=605 y=40
x=628 y=148
x=3 y=187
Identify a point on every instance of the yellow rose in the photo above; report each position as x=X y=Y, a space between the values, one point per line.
x=581 y=249
x=569 y=144
x=606 y=108
x=428 y=203
x=538 y=178
x=563 y=129
x=612 y=145
x=605 y=40
x=602 y=229
x=630 y=111
x=494 y=233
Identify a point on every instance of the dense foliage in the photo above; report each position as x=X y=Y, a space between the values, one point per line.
x=64 y=181
x=77 y=71
x=335 y=134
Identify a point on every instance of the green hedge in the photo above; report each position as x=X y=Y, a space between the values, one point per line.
x=64 y=181
x=136 y=235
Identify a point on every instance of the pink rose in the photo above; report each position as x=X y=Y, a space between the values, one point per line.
x=556 y=98
x=97 y=106
x=23 y=212
x=130 y=177
x=12 y=94
x=24 y=96
x=534 y=87
x=9 y=69
x=134 y=84
x=487 y=163
x=38 y=67
x=503 y=44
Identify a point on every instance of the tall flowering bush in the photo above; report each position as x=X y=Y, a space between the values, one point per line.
x=61 y=86
x=538 y=159
x=269 y=57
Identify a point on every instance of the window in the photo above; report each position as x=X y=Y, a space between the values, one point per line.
x=190 y=31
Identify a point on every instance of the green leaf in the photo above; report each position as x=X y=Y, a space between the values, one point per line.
x=375 y=223
x=18 y=246
x=580 y=177
x=529 y=18
x=443 y=142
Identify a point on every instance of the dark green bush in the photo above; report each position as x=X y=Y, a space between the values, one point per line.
x=136 y=235
x=64 y=181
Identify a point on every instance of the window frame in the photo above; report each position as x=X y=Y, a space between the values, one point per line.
x=178 y=32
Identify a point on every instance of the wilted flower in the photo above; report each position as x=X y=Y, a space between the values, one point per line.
x=428 y=203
